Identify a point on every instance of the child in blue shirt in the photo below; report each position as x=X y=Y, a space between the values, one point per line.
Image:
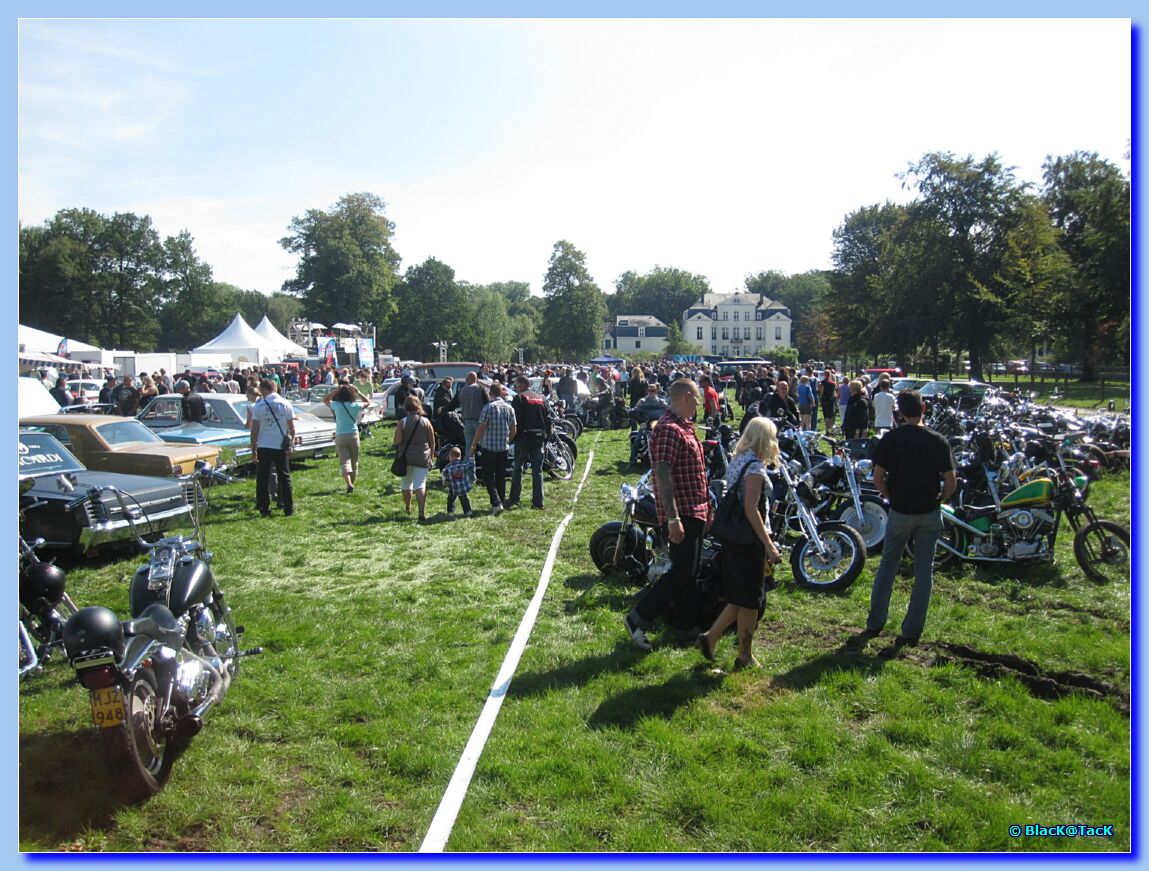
x=460 y=478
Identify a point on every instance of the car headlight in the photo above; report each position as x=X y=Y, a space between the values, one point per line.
x=177 y=469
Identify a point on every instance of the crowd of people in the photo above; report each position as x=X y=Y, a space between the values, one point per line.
x=484 y=418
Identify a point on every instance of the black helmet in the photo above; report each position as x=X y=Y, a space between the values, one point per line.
x=41 y=581
x=93 y=628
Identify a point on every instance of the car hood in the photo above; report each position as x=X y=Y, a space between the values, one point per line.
x=197 y=433
x=138 y=486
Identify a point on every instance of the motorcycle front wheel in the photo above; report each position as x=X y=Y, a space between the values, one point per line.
x=604 y=545
x=140 y=756
x=871 y=525
x=1101 y=548
x=838 y=567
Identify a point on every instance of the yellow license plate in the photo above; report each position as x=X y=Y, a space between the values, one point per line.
x=107 y=707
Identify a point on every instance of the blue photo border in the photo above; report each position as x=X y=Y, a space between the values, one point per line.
x=599 y=8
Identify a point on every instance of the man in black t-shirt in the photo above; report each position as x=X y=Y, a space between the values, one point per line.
x=192 y=407
x=914 y=470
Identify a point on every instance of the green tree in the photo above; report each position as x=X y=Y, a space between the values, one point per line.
x=487 y=333
x=664 y=292
x=575 y=310
x=676 y=343
x=195 y=310
x=347 y=267
x=1089 y=202
x=431 y=307
x=976 y=205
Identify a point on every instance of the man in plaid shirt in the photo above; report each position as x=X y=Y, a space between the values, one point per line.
x=496 y=431
x=682 y=499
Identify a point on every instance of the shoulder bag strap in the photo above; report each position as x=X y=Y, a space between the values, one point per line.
x=274 y=416
x=408 y=443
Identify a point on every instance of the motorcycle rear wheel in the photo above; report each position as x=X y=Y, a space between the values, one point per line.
x=1101 y=548
x=140 y=756
x=871 y=525
x=565 y=427
x=557 y=461
x=845 y=556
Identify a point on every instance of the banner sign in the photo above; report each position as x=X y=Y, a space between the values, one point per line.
x=328 y=353
x=366 y=352
x=62 y=348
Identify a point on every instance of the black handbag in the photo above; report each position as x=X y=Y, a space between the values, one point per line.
x=399 y=464
x=730 y=524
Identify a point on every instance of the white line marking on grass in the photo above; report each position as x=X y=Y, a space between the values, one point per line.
x=435 y=840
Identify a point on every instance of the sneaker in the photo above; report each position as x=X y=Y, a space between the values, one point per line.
x=537 y=507
x=705 y=646
x=496 y=510
x=450 y=512
x=511 y=505
x=468 y=513
x=637 y=635
x=422 y=521
x=350 y=488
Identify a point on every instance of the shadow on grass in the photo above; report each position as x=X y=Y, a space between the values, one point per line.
x=625 y=710
x=851 y=655
x=66 y=787
x=575 y=674
x=594 y=591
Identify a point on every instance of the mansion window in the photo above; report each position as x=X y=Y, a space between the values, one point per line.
x=778 y=334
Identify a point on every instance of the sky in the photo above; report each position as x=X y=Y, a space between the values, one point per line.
x=722 y=147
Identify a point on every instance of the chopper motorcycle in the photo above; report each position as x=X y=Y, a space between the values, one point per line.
x=153 y=678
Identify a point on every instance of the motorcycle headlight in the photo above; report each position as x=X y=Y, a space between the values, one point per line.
x=865 y=468
x=627 y=493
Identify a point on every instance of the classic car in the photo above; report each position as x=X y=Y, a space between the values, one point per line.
x=225 y=425
x=311 y=400
x=55 y=509
x=968 y=394
x=105 y=443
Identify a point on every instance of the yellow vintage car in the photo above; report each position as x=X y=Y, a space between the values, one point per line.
x=104 y=442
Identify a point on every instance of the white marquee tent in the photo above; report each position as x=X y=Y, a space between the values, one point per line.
x=267 y=329
x=243 y=344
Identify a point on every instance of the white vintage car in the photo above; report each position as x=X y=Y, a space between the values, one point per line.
x=311 y=400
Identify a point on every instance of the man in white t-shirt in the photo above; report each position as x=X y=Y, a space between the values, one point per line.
x=272 y=434
x=883 y=402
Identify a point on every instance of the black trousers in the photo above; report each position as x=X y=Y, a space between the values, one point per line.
x=280 y=460
x=678 y=588
x=495 y=475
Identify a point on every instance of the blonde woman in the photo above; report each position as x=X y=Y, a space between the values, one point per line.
x=744 y=565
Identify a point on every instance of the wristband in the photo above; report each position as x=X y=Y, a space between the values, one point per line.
x=674 y=520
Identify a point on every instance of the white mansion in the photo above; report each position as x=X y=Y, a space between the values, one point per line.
x=736 y=325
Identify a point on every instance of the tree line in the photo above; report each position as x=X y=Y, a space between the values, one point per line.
x=977 y=262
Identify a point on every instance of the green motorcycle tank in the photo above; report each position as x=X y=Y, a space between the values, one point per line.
x=1036 y=492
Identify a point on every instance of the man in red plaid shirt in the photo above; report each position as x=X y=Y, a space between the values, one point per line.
x=683 y=502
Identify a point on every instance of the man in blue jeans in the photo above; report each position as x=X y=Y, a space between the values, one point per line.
x=914 y=470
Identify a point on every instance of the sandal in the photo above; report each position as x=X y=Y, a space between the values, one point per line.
x=740 y=664
x=703 y=644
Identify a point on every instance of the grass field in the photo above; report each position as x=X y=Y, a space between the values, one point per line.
x=382 y=639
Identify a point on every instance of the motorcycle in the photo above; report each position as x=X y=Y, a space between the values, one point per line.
x=1022 y=525
x=44 y=604
x=153 y=678
x=827 y=556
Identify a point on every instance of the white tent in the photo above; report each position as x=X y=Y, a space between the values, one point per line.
x=267 y=329
x=32 y=340
x=242 y=344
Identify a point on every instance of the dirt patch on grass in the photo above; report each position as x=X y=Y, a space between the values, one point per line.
x=1042 y=684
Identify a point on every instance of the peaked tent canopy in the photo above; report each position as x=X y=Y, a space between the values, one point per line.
x=605 y=359
x=267 y=329
x=242 y=343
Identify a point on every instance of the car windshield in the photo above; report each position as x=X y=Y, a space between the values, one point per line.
x=934 y=388
x=126 y=432
x=40 y=454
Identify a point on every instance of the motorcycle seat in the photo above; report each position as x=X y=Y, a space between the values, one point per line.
x=972 y=512
x=157 y=622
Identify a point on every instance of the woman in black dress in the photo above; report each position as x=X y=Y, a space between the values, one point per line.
x=744 y=565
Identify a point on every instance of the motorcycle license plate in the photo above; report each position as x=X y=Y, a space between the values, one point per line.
x=107 y=707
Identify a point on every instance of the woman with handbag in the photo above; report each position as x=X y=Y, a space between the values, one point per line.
x=417 y=438
x=747 y=547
